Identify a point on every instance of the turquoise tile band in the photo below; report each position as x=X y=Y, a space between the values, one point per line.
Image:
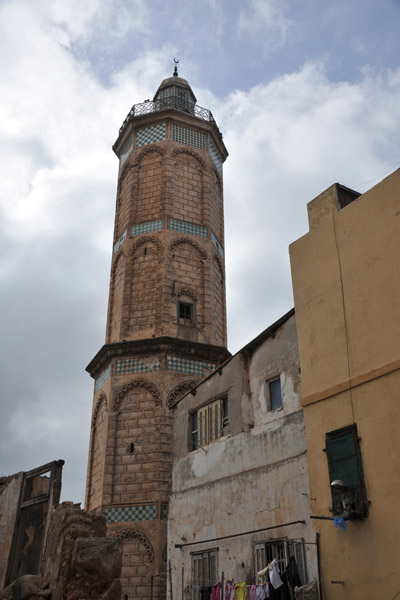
x=136 y=365
x=186 y=227
x=190 y=367
x=143 y=512
x=146 y=227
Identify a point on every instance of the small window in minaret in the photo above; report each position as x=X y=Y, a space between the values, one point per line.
x=185 y=313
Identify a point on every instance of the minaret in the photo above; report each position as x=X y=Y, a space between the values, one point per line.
x=166 y=324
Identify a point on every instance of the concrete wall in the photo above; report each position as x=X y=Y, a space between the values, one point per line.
x=254 y=477
x=346 y=287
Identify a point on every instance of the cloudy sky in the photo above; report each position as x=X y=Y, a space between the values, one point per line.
x=306 y=94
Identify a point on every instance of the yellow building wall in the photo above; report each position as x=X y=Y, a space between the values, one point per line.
x=346 y=282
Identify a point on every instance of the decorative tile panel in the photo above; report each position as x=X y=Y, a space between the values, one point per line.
x=143 y=512
x=185 y=227
x=190 y=137
x=156 y=133
x=126 y=150
x=215 y=155
x=136 y=365
x=217 y=244
x=164 y=511
x=102 y=378
x=189 y=367
x=119 y=243
x=146 y=227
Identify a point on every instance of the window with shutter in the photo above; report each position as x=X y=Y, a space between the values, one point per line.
x=209 y=423
x=259 y=557
x=349 y=497
x=204 y=571
x=296 y=549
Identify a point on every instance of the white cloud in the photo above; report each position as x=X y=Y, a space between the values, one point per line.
x=288 y=141
x=265 y=15
x=94 y=18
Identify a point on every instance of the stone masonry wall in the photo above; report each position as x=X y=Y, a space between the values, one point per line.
x=188 y=189
x=98 y=441
x=167 y=181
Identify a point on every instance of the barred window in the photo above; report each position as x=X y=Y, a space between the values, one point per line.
x=282 y=550
x=185 y=313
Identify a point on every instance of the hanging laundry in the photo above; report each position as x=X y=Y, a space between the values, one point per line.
x=262 y=591
x=262 y=572
x=284 y=589
x=309 y=591
x=252 y=592
x=274 y=575
x=241 y=591
x=229 y=590
x=341 y=522
x=205 y=593
x=216 y=591
x=282 y=592
x=292 y=573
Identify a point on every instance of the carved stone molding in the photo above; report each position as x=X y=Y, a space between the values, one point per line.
x=143 y=240
x=219 y=263
x=132 y=533
x=101 y=398
x=219 y=178
x=179 y=241
x=124 y=171
x=146 y=152
x=178 y=391
x=120 y=254
x=186 y=292
x=191 y=153
x=135 y=383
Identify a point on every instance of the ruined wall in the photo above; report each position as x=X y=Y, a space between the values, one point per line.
x=79 y=561
x=10 y=489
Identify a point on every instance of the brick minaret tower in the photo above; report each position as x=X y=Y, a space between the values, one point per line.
x=166 y=324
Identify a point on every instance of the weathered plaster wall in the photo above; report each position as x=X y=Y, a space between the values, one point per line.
x=254 y=477
x=346 y=287
x=10 y=489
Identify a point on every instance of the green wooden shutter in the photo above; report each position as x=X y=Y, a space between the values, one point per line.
x=345 y=464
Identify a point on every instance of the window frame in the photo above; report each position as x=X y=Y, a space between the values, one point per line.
x=350 y=502
x=186 y=322
x=269 y=394
x=209 y=422
x=206 y=579
x=281 y=549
